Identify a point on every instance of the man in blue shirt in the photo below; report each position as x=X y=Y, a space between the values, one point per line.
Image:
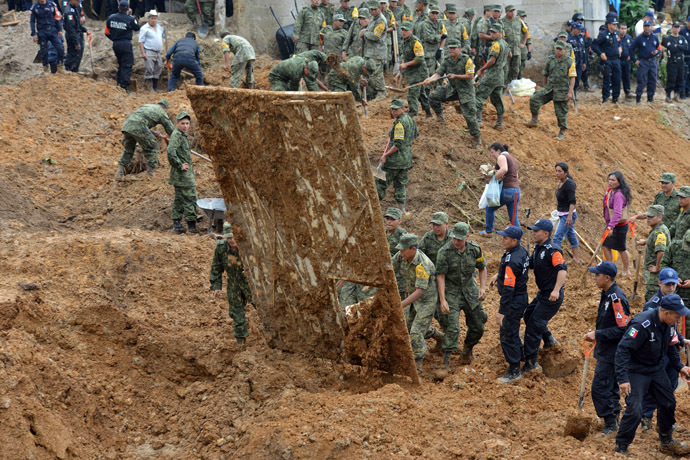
x=685 y=32
x=626 y=60
x=607 y=45
x=646 y=48
x=46 y=26
x=118 y=28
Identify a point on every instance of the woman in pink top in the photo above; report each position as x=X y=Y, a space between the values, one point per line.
x=616 y=202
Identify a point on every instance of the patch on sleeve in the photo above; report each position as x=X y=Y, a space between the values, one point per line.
x=443 y=30
x=355 y=13
x=399 y=132
x=509 y=278
x=225 y=45
x=507 y=258
x=632 y=332
x=660 y=239
x=464 y=33
x=469 y=67
x=646 y=324
x=379 y=29
x=421 y=273
x=496 y=48
x=572 y=72
x=480 y=259
x=418 y=49
x=557 y=259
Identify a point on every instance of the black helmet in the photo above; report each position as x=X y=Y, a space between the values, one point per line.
x=578 y=17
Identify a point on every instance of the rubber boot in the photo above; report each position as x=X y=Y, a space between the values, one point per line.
x=534 y=122
x=466 y=355
x=120 y=172
x=419 y=363
x=150 y=169
x=561 y=134
x=476 y=141
x=154 y=84
x=428 y=114
x=191 y=226
x=241 y=341
x=446 y=360
x=177 y=226
x=638 y=98
x=550 y=343
x=499 y=123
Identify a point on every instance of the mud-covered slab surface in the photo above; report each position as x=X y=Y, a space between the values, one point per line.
x=300 y=195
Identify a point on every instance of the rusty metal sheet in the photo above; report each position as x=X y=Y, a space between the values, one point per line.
x=302 y=200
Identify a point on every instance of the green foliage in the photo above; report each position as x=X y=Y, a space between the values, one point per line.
x=662 y=119
x=633 y=10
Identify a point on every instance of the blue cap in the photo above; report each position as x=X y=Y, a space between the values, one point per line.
x=578 y=26
x=543 y=224
x=673 y=302
x=605 y=268
x=668 y=275
x=124 y=3
x=647 y=23
x=649 y=13
x=511 y=231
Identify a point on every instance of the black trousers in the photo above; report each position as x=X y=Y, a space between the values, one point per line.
x=125 y=62
x=509 y=332
x=675 y=73
x=74 y=55
x=155 y=4
x=659 y=386
x=605 y=394
x=537 y=316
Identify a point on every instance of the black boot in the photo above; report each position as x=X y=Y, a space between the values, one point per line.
x=621 y=449
x=550 y=342
x=610 y=424
x=154 y=84
x=638 y=98
x=671 y=446
x=650 y=98
x=428 y=114
x=177 y=226
x=446 y=360
x=512 y=375
x=466 y=355
x=530 y=365
x=191 y=226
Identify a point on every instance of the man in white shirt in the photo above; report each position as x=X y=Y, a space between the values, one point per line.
x=150 y=44
x=639 y=27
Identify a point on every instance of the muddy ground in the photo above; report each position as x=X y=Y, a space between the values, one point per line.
x=112 y=347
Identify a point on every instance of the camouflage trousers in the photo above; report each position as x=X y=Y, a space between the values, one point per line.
x=543 y=97
x=399 y=179
x=376 y=81
x=513 y=68
x=237 y=300
x=237 y=68
x=207 y=9
x=352 y=293
x=301 y=47
x=475 y=318
x=523 y=61
x=418 y=317
x=414 y=97
x=493 y=92
x=402 y=285
x=184 y=204
x=148 y=143
x=446 y=93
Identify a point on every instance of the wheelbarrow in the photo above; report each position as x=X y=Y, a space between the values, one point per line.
x=214 y=208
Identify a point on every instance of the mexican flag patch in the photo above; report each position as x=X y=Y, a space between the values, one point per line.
x=632 y=332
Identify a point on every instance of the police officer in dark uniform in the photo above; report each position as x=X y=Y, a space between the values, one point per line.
x=626 y=60
x=577 y=41
x=580 y=19
x=118 y=28
x=46 y=26
x=639 y=368
x=512 y=287
x=607 y=46
x=685 y=32
x=612 y=319
x=550 y=272
x=74 y=34
x=676 y=45
x=646 y=49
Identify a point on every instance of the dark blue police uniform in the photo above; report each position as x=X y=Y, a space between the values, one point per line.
x=608 y=43
x=646 y=49
x=580 y=50
x=675 y=65
x=512 y=286
x=74 y=35
x=626 y=71
x=685 y=32
x=46 y=23
x=118 y=28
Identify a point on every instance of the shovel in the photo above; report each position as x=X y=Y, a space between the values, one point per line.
x=363 y=89
x=93 y=72
x=203 y=27
x=594 y=255
x=396 y=53
x=378 y=172
x=577 y=425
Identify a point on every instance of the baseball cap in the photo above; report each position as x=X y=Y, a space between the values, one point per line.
x=560 y=44
x=164 y=102
x=496 y=28
x=434 y=9
x=439 y=218
x=460 y=231
x=407 y=25
x=649 y=13
x=496 y=7
x=227 y=230
x=668 y=177
x=453 y=43
x=673 y=302
x=684 y=191
x=370 y=65
x=393 y=213
x=521 y=13
x=510 y=8
x=313 y=68
x=668 y=275
x=605 y=268
x=364 y=13
x=562 y=33
x=469 y=11
x=543 y=224
x=512 y=231
x=676 y=24
x=124 y=3
x=397 y=104
x=655 y=210
x=183 y=115
x=578 y=26
x=407 y=241
x=338 y=17
x=451 y=8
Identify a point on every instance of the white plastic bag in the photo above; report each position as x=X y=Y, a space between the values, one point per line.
x=482 y=201
x=493 y=193
x=522 y=87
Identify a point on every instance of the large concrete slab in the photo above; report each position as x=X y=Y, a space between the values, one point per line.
x=301 y=197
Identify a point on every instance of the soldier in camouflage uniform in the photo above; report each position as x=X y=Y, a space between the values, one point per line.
x=677 y=257
x=460 y=69
x=397 y=160
x=375 y=48
x=137 y=130
x=456 y=30
x=182 y=176
x=285 y=75
x=467 y=20
x=354 y=44
x=515 y=34
x=333 y=36
x=569 y=51
x=350 y=13
x=243 y=62
x=476 y=43
x=525 y=52
x=414 y=68
x=327 y=10
x=433 y=36
x=559 y=81
x=419 y=306
x=668 y=198
x=435 y=238
x=207 y=10
x=457 y=262
x=682 y=223
x=419 y=16
x=391 y=220
x=485 y=40
x=401 y=13
x=227 y=259
x=656 y=244
x=352 y=77
x=492 y=77
x=309 y=22
x=387 y=13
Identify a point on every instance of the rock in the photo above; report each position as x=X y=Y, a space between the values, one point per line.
x=30 y=286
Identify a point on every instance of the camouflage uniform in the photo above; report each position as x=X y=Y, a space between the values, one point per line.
x=393 y=241
x=375 y=48
x=457 y=90
x=226 y=259
x=352 y=293
x=658 y=240
x=475 y=41
x=243 y=62
x=524 y=51
x=681 y=226
x=401 y=14
x=430 y=245
x=137 y=130
x=307 y=26
x=333 y=39
x=339 y=83
x=465 y=21
x=418 y=20
x=208 y=10
x=513 y=34
x=461 y=294
x=354 y=44
x=677 y=257
x=671 y=209
x=285 y=75
x=412 y=50
x=491 y=84
x=390 y=22
x=458 y=31
x=558 y=73
x=327 y=12
x=351 y=15
x=403 y=133
x=418 y=274
x=431 y=33
x=184 y=205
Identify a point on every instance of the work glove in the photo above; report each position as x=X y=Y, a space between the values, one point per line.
x=529 y=55
x=439 y=53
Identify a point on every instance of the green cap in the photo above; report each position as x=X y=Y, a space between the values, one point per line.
x=393 y=213
x=453 y=43
x=488 y=7
x=407 y=25
x=423 y=1
x=399 y=104
x=655 y=210
x=164 y=103
x=439 y=218
x=668 y=177
x=521 y=13
x=451 y=8
x=686 y=241
x=434 y=9
x=370 y=65
x=684 y=191
x=460 y=231
x=510 y=8
x=562 y=33
x=373 y=5
x=469 y=11
x=313 y=68
x=338 y=17
x=224 y=32
x=496 y=28
x=364 y=13
x=182 y=115
x=496 y=8
x=407 y=241
x=560 y=44
x=227 y=230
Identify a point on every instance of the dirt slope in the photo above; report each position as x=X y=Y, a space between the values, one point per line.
x=121 y=354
